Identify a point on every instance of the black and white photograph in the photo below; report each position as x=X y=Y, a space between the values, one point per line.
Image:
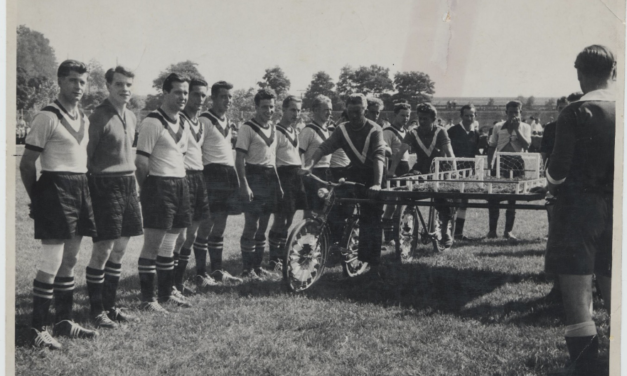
x=289 y=187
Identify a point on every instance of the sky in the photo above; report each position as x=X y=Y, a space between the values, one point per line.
x=470 y=48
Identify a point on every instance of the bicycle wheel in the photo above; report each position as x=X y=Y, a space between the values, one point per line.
x=307 y=248
x=351 y=266
x=408 y=233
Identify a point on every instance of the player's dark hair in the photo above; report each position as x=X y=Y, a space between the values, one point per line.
x=561 y=100
x=215 y=88
x=171 y=79
x=469 y=106
x=289 y=99
x=596 y=61
x=119 y=69
x=515 y=104
x=71 y=66
x=264 y=94
x=197 y=82
x=574 y=97
x=398 y=107
x=427 y=108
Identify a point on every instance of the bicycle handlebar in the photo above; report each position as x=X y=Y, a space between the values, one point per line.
x=342 y=181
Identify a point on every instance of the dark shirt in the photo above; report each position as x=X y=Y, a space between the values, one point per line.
x=110 y=140
x=370 y=131
x=583 y=154
x=464 y=144
x=548 y=138
x=431 y=145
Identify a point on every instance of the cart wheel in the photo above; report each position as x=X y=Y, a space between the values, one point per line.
x=307 y=248
x=408 y=233
x=351 y=266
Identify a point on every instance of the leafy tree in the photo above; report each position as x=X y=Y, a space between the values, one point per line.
x=321 y=84
x=275 y=79
x=374 y=79
x=521 y=99
x=243 y=100
x=137 y=102
x=96 y=86
x=187 y=68
x=414 y=87
x=34 y=54
x=491 y=102
x=530 y=102
x=550 y=104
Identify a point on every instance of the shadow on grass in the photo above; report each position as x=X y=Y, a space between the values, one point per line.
x=518 y=254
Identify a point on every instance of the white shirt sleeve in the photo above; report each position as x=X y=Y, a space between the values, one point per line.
x=244 y=137
x=149 y=135
x=42 y=128
x=304 y=138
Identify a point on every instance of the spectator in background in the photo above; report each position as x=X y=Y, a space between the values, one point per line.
x=375 y=106
x=511 y=136
x=465 y=144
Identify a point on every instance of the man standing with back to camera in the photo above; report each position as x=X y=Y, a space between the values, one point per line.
x=114 y=195
x=581 y=177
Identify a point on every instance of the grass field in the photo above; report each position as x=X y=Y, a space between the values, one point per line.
x=474 y=310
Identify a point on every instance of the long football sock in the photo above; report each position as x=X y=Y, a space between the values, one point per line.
x=200 y=253
x=179 y=270
x=260 y=246
x=42 y=297
x=147 y=271
x=113 y=271
x=274 y=238
x=95 y=284
x=248 y=253
x=216 y=247
x=63 y=298
x=165 y=277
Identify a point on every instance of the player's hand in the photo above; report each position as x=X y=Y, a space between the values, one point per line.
x=304 y=171
x=373 y=191
x=390 y=175
x=515 y=123
x=246 y=193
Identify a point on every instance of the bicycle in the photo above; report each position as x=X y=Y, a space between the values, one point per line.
x=308 y=244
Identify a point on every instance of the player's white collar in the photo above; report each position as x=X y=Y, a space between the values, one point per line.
x=599 y=95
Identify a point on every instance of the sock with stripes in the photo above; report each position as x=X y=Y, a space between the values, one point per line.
x=583 y=346
x=42 y=297
x=95 y=281
x=216 y=246
x=147 y=271
x=112 y=271
x=200 y=253
x=176 y=259
x=260 y=246
x=248 y=253
x=179 y=269
x=276 y=252
x=63 y=298
x=165 y=277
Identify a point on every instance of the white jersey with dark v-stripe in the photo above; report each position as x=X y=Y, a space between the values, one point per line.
x=193 y=157
x=216 y=146
x=287 y=152
x=310 y=138
x=61 y=138
x=258 y=143
x=164 y=142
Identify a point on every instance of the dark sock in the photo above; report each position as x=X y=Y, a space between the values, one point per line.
x=510 y=217
x=274 y=238
x=260 y=246
x=248 y=253
x=95 y=281
x=583 y=353
x=176 y=259
x=165 y=277
x=179 y=270
x=113 y=271
x=63 y=298
x=147 y=271
x=215 y=246
x=42 y=297
x=200 y=253
x=459 y=226
x=388 y=229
